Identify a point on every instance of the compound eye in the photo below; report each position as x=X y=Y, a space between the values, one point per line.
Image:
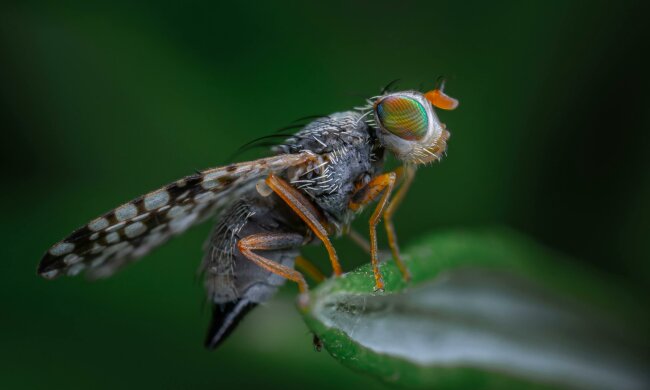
x=403 y=116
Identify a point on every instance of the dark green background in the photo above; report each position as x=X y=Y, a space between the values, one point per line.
x=100 y=103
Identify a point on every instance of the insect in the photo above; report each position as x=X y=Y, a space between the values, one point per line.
x=308 y=191
x=317 y=342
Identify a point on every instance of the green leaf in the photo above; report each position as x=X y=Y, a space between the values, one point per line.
x=487 y=309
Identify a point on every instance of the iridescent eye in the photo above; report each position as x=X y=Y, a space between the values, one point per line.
x=403 y=116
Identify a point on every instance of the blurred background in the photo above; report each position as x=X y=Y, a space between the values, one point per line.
x=102 y=102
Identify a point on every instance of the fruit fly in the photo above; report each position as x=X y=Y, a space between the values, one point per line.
x=309 y=190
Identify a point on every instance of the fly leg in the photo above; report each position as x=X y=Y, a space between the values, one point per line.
x=307 y=212
x=309 y=269
x=382 y=183
x=368 y=193
x=274 y=241
x=360 y=240
x=364 y=244
x=408 y=173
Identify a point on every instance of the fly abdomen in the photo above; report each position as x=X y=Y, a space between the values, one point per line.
x=235 y=284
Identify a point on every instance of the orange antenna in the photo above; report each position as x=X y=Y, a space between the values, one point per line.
x=439 y=99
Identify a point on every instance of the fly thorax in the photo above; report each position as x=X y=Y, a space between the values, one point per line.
x=345 y=147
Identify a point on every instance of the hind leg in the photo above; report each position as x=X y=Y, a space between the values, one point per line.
x=274 y=241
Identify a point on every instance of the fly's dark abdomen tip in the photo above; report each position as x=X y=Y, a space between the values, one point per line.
x=225 y=318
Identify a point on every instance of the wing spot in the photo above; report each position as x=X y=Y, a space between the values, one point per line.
x=181 y=224
x=124 y=252
x=177 y=211
x=75 y=269
x=98 y=261
x=72 y=258
x=98 y=224
x=151 y=241
x=112 y=238
x=211 y=180
x=125 y=212
x=156 y=199
x=213 y=175
x=50 y=274
x=135 y=229
x=208 y=184
x=114 y=248
x=94 y=236
x=62 y=248
x=97 y=248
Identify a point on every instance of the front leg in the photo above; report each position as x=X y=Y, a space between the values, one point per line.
x=382 y=183
x=408 y=172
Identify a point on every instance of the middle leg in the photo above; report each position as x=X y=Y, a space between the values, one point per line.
x=308 y=268
x=405 y=174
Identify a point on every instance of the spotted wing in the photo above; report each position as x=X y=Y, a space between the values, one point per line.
x=135 y=228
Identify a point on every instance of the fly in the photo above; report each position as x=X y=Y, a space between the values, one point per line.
x=309 y=190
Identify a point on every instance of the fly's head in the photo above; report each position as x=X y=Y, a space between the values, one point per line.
x=408 y=126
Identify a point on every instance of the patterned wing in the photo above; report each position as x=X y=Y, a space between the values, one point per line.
x=135 y=228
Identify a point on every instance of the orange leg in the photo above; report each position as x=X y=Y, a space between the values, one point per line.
x=360 y=240
x=382 y=183
x=364 y=244
x=310 y=269
x=307 y=212
x=408 y=173
x=272 y=241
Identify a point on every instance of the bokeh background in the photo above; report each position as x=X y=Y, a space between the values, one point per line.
x=102 y=102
